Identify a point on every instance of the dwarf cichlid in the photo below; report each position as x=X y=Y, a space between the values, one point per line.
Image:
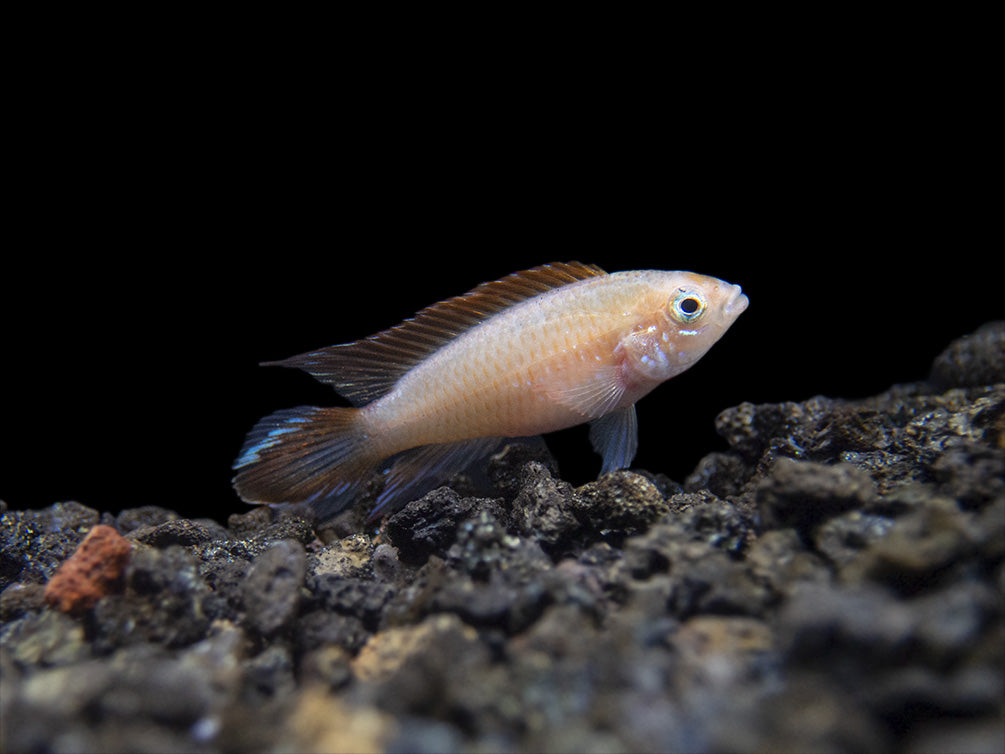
x=534 y=352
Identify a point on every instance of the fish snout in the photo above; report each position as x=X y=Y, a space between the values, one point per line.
x=736 y=302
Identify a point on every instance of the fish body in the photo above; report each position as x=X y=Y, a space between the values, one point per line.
x=535 y=352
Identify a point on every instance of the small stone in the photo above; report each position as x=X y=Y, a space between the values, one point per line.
x=842 y=538
x=429 y=525
x=272 y=586
x=348 y=557
x=862 y=625
x=543 y=507
x=93 y=571
x=166 y=602
x=427 y=669
x=919 y=548
x=506 y=468
x=622 y=501
x=803 y=493
x=268 y=674
x=34 y=543
x=145 y=516
x=361 y=598
x=325 y=628
x=704 y=637
x=19 y=598
x=45 y=638
x=973 y=474
x=975 y=359
x=293 y=527
x=780 y=559
x=319 y=722
x=178 y=531
x=251 y=521
x=752 y=429
x=329 y=666
x=714 y=583
x=723 y=474
x=386 y=565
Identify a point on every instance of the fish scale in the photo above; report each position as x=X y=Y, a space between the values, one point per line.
x=505 y=361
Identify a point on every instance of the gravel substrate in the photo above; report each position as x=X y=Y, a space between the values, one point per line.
x=832 y=582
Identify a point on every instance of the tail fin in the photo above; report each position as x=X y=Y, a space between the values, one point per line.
x=317 y=456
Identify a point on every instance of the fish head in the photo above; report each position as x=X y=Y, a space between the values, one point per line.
x=688 y=313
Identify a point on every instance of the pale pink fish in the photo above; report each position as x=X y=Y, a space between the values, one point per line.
x=535 y=352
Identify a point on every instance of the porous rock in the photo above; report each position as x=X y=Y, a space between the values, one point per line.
x=620 y=501
x=33 y=543
x=974 y=359
x=803 y=494
x=429 y=525
x=94 y=570
x=272 y=586
x=832 y=581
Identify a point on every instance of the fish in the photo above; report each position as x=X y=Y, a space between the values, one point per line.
x=537 y=351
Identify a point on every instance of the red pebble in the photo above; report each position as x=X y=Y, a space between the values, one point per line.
x=93 y=571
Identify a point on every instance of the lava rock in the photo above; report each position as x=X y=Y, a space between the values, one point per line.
x=20 y=598
x=271 y=588
x=166 y=602
x=505 y=468
x=803 y=494
x=349 y=558
x=832 y=581
x=321 y=629
x=930 y=547
x=843 y=538
x=146 y=516
x=975 y=359
x=429 y=525
x=33 y=544
x=178 y=531
x=363 y=599
x=545 y=508
x=621 y=501
x=94 y=570
x=722 y=474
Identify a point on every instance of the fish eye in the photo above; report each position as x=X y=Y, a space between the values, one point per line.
x=686 y=306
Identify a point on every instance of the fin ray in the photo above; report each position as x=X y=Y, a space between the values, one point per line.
x=615 y=437
x=594 y=396
x=304 y=455
x=417 y=471
x=367 y=369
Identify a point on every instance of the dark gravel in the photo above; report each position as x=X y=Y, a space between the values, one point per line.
x=832 y=582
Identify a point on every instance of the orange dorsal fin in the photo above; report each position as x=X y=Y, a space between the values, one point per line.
x=367 y=369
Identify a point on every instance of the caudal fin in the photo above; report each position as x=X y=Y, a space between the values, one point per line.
x=317 y=456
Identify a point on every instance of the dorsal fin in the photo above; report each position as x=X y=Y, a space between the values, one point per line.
x=367 y=369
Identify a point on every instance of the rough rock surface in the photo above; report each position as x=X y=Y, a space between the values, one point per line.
x=834 y=581
x=94 y=570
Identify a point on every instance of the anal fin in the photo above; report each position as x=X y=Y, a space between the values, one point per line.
x=417 y=471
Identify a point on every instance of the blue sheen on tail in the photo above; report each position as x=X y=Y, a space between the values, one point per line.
x=305 y=455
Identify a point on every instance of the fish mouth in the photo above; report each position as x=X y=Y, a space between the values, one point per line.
x=737 y=303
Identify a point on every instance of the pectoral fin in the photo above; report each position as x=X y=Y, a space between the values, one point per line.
x=615 y=437
x=592 y=396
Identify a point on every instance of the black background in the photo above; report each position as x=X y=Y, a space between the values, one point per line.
x=174 y=227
